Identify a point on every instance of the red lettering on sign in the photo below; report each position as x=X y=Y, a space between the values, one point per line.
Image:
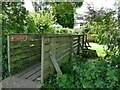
x=18 y=37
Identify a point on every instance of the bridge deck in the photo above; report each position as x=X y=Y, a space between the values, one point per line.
x=25 y=79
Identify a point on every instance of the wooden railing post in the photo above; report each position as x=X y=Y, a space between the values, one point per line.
x=42 y=59
x=8 y=51
x=78 y=51
x=83 y=43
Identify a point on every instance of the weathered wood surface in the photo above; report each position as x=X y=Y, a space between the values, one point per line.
x=54 y=61
x=14 y=82
x=24 y=55
x=24 y=79
x=62 y=48
x=31 y=73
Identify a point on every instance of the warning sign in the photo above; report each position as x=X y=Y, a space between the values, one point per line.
x=18 y=37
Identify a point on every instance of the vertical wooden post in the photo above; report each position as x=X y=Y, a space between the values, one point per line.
x=83 y=43
x=86 y=42
x=8 y=51
x=0 y=50
x=42 y=59
x=71 y=47
x=78 y=51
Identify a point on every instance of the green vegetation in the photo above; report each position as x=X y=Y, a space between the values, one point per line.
x=16 y=19
x=64 y=12
x=90 y=74
x=41 y=21
x=102 y=72
x=99 y=49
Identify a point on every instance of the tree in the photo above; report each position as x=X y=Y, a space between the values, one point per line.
x=42 y=20
x=64 y=12
x=14 y=17
x=14 y=20
x=104 y=23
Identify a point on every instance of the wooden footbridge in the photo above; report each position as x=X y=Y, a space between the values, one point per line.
x=32 y=58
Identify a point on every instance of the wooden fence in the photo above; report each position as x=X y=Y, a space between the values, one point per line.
x=25 y=50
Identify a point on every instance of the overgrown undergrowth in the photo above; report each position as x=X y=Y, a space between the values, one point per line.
x=86 y=74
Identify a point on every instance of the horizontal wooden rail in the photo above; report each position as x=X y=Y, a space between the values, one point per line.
x=25 y=50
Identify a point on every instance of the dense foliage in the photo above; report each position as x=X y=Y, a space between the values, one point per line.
x=64 y=12
x=55 y=30
x=90 y=74
x=42 y=20
x=105 y=25
x=14 y=20
x=103 y=72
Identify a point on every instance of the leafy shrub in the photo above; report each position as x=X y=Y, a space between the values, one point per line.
x=55 y=30
x=14 y=20
x=90 y=74
x=42 y=20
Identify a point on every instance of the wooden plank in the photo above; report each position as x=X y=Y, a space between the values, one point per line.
x=29 y=59
x=63 y=56
x=23 y=56
x=61 y=45
x=35 y=76
x=33 y=37
x=19 y=44
x=57 y=68
x=25 y=51
x=53 y=56
x=46 y=40
x=18 y=83
x=61 y=39
x=75 y=50
x=30 y=46
x=47 y=48
x=62 y=52
x=27 y=69
x=74 y=46
x=22 y=52
x=71 y=47
x=75 y=42
x=65 y=59
x=30 y=73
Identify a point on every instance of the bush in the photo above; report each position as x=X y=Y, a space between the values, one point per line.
x=42 y=20
x=55 y=30
x=90 y=74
